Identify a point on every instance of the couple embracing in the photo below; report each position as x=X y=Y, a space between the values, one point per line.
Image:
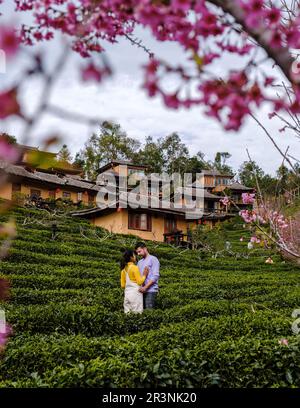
x=139 y=279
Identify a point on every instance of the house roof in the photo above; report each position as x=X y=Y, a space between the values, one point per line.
x=215 y=173
x=30 y=148
x=206 y=194
x=120 y=163
x=238 y=186
x=15 y=170
x=184 y=212
x=163 y=207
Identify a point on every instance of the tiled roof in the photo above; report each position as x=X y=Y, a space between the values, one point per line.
x=215 y=173
x=66 y=180
x=238 y=186
x=119 y=163
x=163 y=207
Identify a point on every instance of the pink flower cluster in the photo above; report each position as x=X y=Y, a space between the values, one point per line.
x=9 y=104
x=248 y=198
x=9 y=41
x=278 y=220
x=255 y=240
x=248 y=216
x=94 y=73
x=225 y=200
x=283 y=342
x=259 y=14
x=202 y=31
x=8 y=152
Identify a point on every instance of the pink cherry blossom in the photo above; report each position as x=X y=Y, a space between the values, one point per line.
x=8 y=152
x=9 y=104
x=93 y=73
x=248 y=216
x=9 y=41
x=248 y=198
x=225 y=200
x=273 y=15
x=199 y=29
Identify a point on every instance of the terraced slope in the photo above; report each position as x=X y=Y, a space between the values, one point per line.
x=218 y=321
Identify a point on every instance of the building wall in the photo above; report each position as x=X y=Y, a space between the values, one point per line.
x=117 y=222
x=209 y=181
x=6 y=191
x=25 y=189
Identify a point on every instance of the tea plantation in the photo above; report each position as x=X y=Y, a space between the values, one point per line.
x=218 y=322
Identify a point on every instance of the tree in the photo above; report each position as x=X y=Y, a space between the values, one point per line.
x=78 y=161
x=175 y=154
x=151 y=154
x=110 y=144
x=248 y=172
x=197 y=163
x=64 y=154
x=219 y=163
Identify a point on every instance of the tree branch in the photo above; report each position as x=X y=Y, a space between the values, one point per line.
x=281 y=56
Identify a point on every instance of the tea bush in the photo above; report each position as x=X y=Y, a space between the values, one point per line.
x=218 y=321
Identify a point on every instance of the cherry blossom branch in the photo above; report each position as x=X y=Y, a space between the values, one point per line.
x=138 y=43
x=281 y=55
x=274 y=143
x=280 y=242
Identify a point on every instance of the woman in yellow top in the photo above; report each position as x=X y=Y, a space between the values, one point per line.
x=131 y=280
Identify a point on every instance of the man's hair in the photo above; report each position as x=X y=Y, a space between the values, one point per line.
x=140 y=245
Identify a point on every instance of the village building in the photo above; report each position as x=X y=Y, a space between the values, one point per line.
x=164 y=220
x=155 y=215
x=40 y=174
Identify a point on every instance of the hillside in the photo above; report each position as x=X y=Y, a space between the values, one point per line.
x=218 y=321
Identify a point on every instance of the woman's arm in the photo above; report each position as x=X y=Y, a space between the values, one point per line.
x=139 y=279
x=123 y=279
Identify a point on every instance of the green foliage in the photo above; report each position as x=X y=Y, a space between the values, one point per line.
x=217 y=322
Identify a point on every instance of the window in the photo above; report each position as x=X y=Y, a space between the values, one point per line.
x=35 y=193
x=79 y=196
x=210 y=206
x=136 y=172
x=170 y=225
x=16 y=188
x=51 y=194
x=139 y=221
x=134 y=176
x=66 y=194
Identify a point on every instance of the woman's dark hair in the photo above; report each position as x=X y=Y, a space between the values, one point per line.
x=127 y=255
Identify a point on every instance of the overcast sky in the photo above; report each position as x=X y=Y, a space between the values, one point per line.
x=122 y=99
